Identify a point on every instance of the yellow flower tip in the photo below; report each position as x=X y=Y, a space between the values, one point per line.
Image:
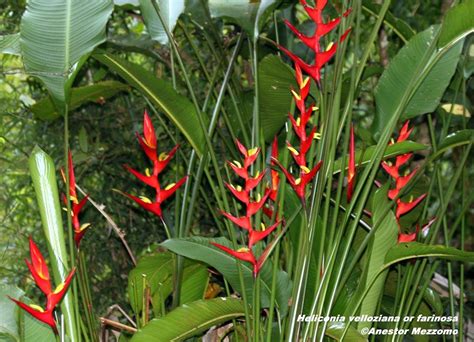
x=36 y=307
x=411 y=199
x=315 y=108
x=257 y=174
x=317 y=136
x=262 y=226
x=65 y=209
x=389 y=163
x=304 y=83
x=252 y=151
x=237 y=164
x=59 y=288
x=298 y=122
x=330 y=45
x=392 y=141
x=147 y=172
x=74 y=199
x=293 y=150
x=297 y=181
x=169 y=186
x=145 y=199
x=163 y=156
x=305 y=169
x=243 y=250
x=296 y=95
x=258 y=198
x=84 y=226
x=407 y=172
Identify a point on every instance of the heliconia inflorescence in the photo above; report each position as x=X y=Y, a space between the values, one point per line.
x=76 y=205
x=253 y=204
x=301 y=125
x=393 y=170
x=39 y=272
x=149 y=145
x=314 y=42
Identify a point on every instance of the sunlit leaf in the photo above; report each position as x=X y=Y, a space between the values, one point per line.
x=403 y=80
x=170 y=10
x=56 y=34
x=43 y=174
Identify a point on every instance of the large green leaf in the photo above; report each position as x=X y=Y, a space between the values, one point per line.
x=403 y=79
x=170 y=10
x=9 y=313
x=44 y=180
x=199 y=248
x=406 y=251
x=249 y=14
x=10 y=44
x=178 y=108
x=45 y=109
x=457 y=24
x=190 y=319
x=157 y=272
x=382 y=240
x=56 y=34
x=275 y=81
x=18 y=325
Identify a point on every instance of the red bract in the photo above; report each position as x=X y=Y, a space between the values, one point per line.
x=393 y=170
x=275 y=176
x=252 y=205
x=301 y=126
x=40 y=274
x=76 y=205
x=314 y=42
x=412 y=236
x=299 y=184
x=351 y=171
x=160 y=161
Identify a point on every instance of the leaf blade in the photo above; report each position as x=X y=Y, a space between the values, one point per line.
x=191 y=319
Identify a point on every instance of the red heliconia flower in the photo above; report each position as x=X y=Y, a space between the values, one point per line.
x=405 y=207
x=275 y=175
x=40 y=274
x=393 y=170
x=76 y=205
x=299 y=184
x=256 y=236
x=314 y=42
x=351 y=171
x=410 y=237
x=244 y=195
x=160 y=161
x=246 y=254
x=243 y=254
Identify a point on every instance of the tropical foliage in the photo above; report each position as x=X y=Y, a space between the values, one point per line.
x=242 y=170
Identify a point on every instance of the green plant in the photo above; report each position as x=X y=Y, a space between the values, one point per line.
x=314 y=233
